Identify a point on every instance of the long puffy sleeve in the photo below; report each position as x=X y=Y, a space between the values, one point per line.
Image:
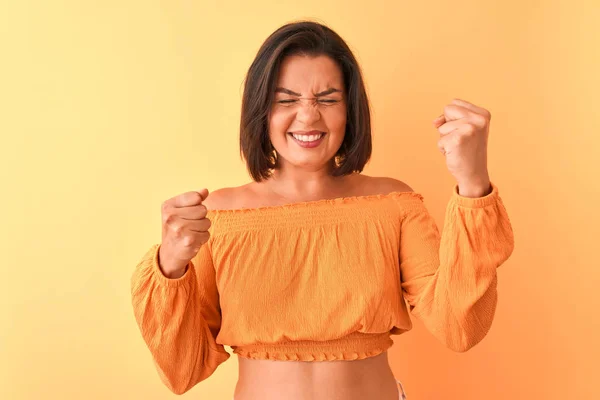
x=450 y=281
x=179 y=319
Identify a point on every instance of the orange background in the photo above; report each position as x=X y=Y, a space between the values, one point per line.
x=109 y=108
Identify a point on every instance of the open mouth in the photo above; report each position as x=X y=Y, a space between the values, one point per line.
x=308 y=140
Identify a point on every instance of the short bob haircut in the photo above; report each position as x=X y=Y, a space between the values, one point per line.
x=309 y=39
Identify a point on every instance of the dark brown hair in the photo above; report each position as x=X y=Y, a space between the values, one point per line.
x=310 y=39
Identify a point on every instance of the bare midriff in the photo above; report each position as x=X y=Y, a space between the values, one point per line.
x=369 y=378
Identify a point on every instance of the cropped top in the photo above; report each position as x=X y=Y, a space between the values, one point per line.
x=329 y=279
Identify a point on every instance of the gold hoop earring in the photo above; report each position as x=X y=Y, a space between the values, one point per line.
x=336 y=160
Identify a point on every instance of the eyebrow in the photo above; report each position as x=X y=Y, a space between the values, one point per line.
x=323 y=93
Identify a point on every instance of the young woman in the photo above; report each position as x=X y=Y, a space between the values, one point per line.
x=304 y=271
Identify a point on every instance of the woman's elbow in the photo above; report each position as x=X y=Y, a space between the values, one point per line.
x=176 y=384
x=466 y=339
x=462 y=346
x=179 y=379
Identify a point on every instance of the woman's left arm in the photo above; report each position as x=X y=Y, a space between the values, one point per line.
x=449 y=280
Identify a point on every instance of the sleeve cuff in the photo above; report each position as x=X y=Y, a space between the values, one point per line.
x=170 y=282
x=475 y=202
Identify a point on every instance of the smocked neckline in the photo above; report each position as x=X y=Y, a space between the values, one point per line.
x=311 y=203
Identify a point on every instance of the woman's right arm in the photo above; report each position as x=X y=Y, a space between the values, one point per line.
x=179 y=318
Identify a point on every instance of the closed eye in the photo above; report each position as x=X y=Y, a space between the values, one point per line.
x=320 y=101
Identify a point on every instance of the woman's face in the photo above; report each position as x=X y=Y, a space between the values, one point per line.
x=309 y=96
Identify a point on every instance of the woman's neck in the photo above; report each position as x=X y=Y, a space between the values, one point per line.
x=306 y=185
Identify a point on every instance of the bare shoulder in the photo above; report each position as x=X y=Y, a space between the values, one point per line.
x=388 y=184
x=385 y=185
x=225 y=198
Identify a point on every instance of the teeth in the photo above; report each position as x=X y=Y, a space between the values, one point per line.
x=307 y=138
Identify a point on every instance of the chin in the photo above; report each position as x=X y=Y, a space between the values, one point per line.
x=308 y=164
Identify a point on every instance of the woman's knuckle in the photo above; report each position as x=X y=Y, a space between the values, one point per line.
x=177 y=229
x=171 y=219
x=204 y=236
x=479 y=120
x=196 y=197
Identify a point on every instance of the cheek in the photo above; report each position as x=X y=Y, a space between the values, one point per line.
x=279 y=122
x=336 y=121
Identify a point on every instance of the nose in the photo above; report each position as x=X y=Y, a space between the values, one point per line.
x=308 y=113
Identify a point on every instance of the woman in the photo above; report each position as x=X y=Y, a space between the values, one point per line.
x=304 y=271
